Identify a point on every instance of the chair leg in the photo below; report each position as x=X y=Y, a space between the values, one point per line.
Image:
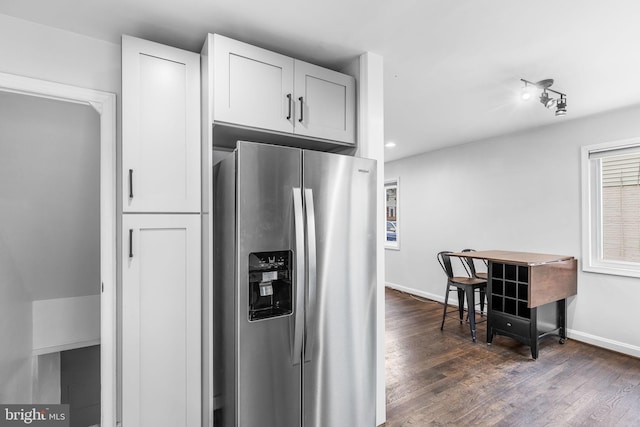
x=483 y=294
x=471 y=310
x=444 y=313
x=461 y=304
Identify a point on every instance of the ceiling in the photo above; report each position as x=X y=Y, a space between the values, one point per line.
x=452 y=68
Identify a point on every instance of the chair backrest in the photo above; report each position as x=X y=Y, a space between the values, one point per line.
x=445 y=262
x=471 y=262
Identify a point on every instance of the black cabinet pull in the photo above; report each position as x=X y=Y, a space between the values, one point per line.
x=130 y=243
x=289 y=98
x=131 y=183
x=301 y=109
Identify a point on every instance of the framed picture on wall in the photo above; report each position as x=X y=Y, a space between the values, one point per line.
x=392 y=202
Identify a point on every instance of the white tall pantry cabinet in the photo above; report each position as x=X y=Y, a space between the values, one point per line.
x=161 y=236
x=161 y=320
x=160 y=128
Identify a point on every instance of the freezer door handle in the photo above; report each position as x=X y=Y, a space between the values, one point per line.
x=298 y=319
x=312 y=271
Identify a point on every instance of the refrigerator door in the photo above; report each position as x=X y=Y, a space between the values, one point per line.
x=269 y=380
x=339 y=370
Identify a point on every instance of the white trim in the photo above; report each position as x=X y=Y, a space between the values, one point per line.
x=371 y=145
x=64 y=347
x=418 y=293
x=105 y=104
x=624 y=144
x=591 y=252
x=617 y=346
x=427 y=295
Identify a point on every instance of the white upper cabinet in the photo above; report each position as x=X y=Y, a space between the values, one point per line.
x=257 y=88
x=326 y=103
x=252 y=86
x=160 y=128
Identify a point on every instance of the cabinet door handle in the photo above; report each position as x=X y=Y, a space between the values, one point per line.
x=130 y=243
x=301 y=109
x=131 y=183
x=289 y=98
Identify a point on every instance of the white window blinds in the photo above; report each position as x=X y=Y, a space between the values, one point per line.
x=620 y=204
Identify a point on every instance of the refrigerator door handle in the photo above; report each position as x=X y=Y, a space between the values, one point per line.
x=298 y=322
x=312 y=278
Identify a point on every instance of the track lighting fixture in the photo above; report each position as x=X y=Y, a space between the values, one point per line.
x=560 y=104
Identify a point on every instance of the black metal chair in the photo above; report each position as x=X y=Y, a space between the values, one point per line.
x=465 y=287
x=470 y=263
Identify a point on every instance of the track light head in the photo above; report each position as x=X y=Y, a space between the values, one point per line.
x=561 y=107
x=551 y=103
x=546 y=100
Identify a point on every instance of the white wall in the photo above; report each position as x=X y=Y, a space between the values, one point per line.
x=518 y=192
x=46 y=378
x=66 y=323
x=50 y=194
x=15 y=332
x=42 y=52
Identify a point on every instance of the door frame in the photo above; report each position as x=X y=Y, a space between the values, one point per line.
x=105 y=105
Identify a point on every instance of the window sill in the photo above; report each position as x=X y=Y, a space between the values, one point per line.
x=613 y=269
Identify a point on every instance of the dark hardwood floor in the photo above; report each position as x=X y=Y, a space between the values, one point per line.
x=442 y=378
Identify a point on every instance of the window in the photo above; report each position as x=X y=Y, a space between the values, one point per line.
x=392 y=234
x=611 y=207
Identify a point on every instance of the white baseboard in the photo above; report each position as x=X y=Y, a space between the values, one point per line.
x=416 y=292
x=595 y=340
x=616 y=346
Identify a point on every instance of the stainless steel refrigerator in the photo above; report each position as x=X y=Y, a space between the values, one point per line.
x=294 y=288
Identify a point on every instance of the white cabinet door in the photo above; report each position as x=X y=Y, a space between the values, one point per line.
x=161 y=359
x=251 y=86
x=325 y=102
x=160 y=128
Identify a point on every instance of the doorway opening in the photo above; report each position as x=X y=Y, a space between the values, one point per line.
x=57 y=245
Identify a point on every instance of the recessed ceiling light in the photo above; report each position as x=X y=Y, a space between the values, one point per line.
x=390 y=144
